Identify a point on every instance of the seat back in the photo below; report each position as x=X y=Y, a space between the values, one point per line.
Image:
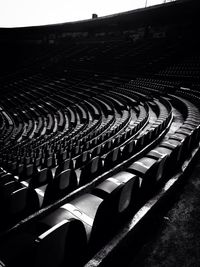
x=73 y=240
x=50 y=246
x=27 y=172
x=82 y=159
x=90 y=170
x=176 y=148
x=130 y=192
x=62 y=184
x=64 y=165
x=42 y=177
x=147 y=169
x=128 y=149
x=111 y=158
x=18 y=200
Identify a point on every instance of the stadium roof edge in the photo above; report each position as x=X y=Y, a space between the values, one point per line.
x=98 y=19
x=137 y=16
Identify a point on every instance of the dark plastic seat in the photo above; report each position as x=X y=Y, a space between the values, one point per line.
x=117 y=141
x=17 y=201
x=71 y=246
x=39 y=183
x=90 y=170
x=41 y=177
x=112 y=158
x=191 y=133
x=37 y=161
x=53 y=241
x=148 y=170
x=130 y=190
x=119 y=188
x=48 y=162
x=50 y=246
x=140 y=142
x=62 y=156
x=128 y=150
x=5 y=178
x=82 y=159
x=107 y=146
x=8 y=188
x=62 y=184
x=164 y=163
x=186 y=144
x=97 y=215
x=27 y=172
x=64 y=165
x=176 y=147
x=12 y=166
x=96 y=151
x=19 y=169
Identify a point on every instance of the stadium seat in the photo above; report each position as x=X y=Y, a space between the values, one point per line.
x=62 y=184
x=90 y=171
x=98 y=215
x=149 y=170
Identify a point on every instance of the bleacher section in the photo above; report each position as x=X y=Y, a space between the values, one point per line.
x=92 y=141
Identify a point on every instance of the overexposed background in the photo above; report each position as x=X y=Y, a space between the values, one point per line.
x=20 y=13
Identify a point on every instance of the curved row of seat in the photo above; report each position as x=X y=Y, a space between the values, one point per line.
x=89 y=220
x=92 y=131
x=28 y=168
x=82 y=151
x=53 y=175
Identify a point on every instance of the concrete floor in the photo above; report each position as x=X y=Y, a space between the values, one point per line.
x=175 y=239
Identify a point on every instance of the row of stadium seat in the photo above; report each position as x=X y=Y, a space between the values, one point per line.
x=86 y=222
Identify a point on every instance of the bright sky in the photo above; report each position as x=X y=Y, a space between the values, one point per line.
x=19 y=13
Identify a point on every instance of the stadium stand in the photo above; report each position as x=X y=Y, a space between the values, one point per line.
x=99 y=121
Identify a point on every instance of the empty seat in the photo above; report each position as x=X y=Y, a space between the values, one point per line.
x=39 y=182
x=127 y=185
x=50 y=246
x=49 y=162
x=27 y=172
x=96 y=151
x=19 y=170
x=5 y=178
x=90 y=171
x=176 y=147
x=128 y=150
x=82 y=159
x=186 y=144
x=112 y=158
x=74 y=240
x=141 y=142
x=131 y=187
x=12 y=166
x=149 y=170
x=62 y=184
x=163 y=157
x=107 y=146
x=16 y=202
x=41 y=177
x=112 y=188
x=98 y=216
x=192 y=133
x=64 y=165
x=53 y=241
x=61 y=156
